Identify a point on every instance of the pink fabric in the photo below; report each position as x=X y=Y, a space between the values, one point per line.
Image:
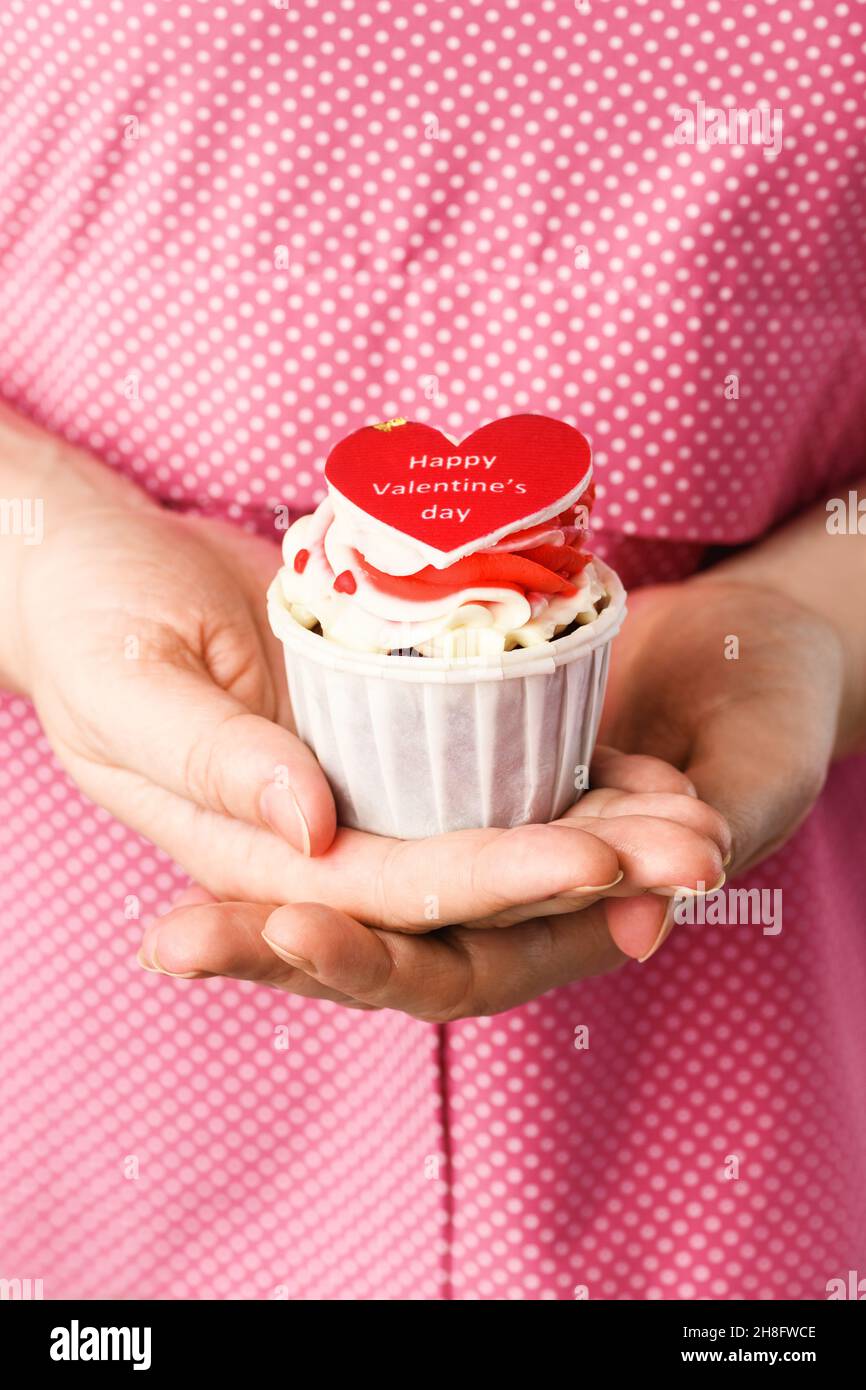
x=231 y=233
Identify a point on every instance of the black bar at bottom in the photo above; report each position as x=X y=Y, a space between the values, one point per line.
x=69 y=1339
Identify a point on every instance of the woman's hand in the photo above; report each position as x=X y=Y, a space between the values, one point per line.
x=146 y=652
x=163 y=693
x=742 y=688
x=143 y=640
x=440 y=969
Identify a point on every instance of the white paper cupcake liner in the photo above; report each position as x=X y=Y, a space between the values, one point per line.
x=416 y=746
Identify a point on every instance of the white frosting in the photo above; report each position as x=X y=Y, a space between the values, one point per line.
x=474 y=620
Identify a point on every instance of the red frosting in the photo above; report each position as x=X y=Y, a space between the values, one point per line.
x=540 y=569
x=503 y=571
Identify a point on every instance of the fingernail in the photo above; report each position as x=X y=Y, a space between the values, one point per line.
x=152 y=964
x=664 y=932
x=281 y=810
x=296 y=962
x=728 y=857
x=592 y=887
x=146 y=965
x=675 y=891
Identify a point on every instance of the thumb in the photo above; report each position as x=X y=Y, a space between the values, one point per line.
x=195 y=739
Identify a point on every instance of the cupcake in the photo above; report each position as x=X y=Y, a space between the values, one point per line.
x=446 y=630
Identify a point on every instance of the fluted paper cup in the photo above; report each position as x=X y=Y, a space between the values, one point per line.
x=414 y=746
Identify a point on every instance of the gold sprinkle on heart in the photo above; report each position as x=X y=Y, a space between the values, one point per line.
x=391 y=424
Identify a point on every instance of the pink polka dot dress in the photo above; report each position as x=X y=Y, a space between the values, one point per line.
x=231 y=233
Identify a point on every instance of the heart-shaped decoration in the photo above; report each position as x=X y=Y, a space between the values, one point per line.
x=449 y=499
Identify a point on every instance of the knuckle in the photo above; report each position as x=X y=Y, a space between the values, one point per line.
x=378 y=988
x=388 y=888
x=463 y=997
x=197 y=769
x=487 y=892
x=204 y=765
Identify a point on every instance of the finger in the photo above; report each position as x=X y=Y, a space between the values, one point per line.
x=449 y=879
x=196 y=740
x=194 y=894
x=636 y=772
x=411 y=885
x=552 y=907
x=427 y=883
x=457 y=973
x=201 y=940
x=639 y=926
x=656 y=854
x=607 y=802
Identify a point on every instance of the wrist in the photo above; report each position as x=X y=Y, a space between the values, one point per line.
x=824 y=570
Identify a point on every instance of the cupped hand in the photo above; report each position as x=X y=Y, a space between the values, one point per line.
x=741 y=688
x=533 y=928
x=735 y=688
x=148 y=657
x=162 y=690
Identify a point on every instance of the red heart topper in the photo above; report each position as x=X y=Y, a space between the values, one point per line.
x=454 y=499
